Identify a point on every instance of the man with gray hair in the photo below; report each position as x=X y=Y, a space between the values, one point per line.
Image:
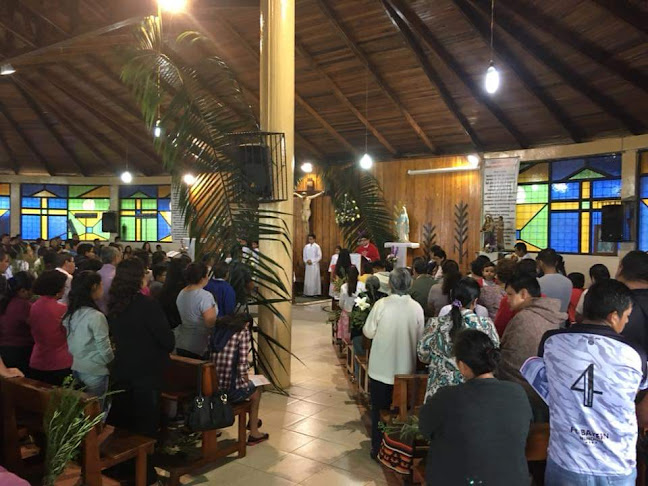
x=110 y=257
x=395 y=324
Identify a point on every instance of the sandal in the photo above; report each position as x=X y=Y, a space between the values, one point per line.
x=260 y=422
x=252 y=441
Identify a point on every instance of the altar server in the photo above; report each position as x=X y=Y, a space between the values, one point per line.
x=312 y=257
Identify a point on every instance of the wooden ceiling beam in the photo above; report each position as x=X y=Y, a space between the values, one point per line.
x=301 y=101
x=28 y=141
x=623 y=10
x=118 y=127
x=578 y=82
x=525 y=75
x=36 y=8
x=38 y=50
x=401 y=9
x=432 y=75
x=52 y=129
x=342 y=97
x=335 y=21
x=73 y=124
x=551 y=26
x=10 y=153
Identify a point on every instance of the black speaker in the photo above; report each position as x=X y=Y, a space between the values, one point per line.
x=256 y=163
x=109 y=222
x=612 y=222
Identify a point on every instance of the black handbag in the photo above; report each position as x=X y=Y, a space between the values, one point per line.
x=209 y=413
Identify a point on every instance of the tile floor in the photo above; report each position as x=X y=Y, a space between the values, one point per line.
x=318 y=435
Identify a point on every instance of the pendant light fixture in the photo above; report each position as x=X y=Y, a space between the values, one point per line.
x=492 y=80
x=126 y=176
x=366 y=162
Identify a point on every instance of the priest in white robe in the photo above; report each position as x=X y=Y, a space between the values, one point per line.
x=312 y=257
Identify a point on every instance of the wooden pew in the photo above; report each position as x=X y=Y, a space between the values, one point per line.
x=180 y=386
x=25 y=395
x=407 y=399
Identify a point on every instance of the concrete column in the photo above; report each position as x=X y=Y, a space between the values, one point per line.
x=14 y=215
x=277 y=100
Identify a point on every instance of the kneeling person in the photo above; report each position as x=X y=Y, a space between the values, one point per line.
x=589 y=375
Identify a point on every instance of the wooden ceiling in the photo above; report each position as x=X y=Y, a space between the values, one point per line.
x=409 y=73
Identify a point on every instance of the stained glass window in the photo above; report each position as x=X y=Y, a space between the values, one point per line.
x=5 y=205
x=50 y=210
x=643 y=202
x=145 y=213
x=559 y=202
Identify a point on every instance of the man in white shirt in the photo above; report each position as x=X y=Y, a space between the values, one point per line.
x=589 y=375
x=521 y=252
x=395 y=324
x=312 y=257
x=65 y=264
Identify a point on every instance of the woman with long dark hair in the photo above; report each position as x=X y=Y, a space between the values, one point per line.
x=348 y=294
x=87 y=336
x=553 y=282
x=173 y=285
x=435 y=347
x=16 y=342
x=439 y=295
x=343 y=264
x=478 y=429
x=143 y=341
x=147 y=247
x=50 y=360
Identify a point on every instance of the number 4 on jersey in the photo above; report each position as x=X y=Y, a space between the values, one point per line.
x=585 y=384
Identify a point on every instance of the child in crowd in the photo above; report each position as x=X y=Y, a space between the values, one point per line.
x=488 y=274
x=578 y=282
x=159 y=277
x=589 y=375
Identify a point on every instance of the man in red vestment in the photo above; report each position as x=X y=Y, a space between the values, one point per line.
x=367 y=249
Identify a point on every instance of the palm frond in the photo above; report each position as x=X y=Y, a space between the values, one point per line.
x=375 y=221
x=199 y=105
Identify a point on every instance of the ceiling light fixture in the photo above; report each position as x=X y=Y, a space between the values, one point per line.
x=172 y=6
x=307 y=167
x=366 y=162
x=492 y=80
x=126 y=177
x=6 y=70
x=473 y=160
x=157 y=129
x=189 y=179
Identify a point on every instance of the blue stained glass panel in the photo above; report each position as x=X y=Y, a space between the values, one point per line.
x=57 y=203
x=31 y=202
x=643 y=187
x=562 y=169
x=564 y=231
x=565 y=190
x=57 y=226
x=610 y=164
x=30 y=226
x=4 y=202
x=606 y=189
x=164 y=204
x=5 y=223
x=163 y=228
x=643 y=226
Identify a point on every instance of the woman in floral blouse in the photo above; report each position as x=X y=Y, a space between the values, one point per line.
x=435 y=346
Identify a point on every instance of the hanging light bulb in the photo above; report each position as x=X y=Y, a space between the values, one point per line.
x=366 y=162
x=189 y=179
x=7 y=69
x=307 y=167
x=126 y=177
x=473 y=160
x=173 y=6
x=157 y=130
x=492 y=79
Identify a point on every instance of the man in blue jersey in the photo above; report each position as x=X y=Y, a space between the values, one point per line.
x=589 y=375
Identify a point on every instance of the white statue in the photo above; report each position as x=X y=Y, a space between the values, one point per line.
x=402 y=226
x=306 y=207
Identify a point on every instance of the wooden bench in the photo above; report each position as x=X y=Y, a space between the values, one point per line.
x=180 y=382
x=25 y=395
x=407 y=399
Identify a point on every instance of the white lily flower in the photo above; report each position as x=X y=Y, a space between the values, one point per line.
x=362 y=303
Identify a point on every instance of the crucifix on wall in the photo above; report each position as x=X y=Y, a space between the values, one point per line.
x=306 y=208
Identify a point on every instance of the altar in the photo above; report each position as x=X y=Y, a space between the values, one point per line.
x=399 y=249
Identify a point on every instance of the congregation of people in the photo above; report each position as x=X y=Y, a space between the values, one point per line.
x=515 y=342
x=109 y=316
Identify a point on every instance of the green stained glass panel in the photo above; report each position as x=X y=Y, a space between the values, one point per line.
x=585 y=205
x=535 y=231
x=586 y=174
x=128 y=204
x=533 y=193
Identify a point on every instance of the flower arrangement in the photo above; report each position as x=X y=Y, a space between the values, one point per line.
x=348 y=212
x=361 y=310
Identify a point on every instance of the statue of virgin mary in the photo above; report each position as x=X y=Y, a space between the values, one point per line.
x=402 y=226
